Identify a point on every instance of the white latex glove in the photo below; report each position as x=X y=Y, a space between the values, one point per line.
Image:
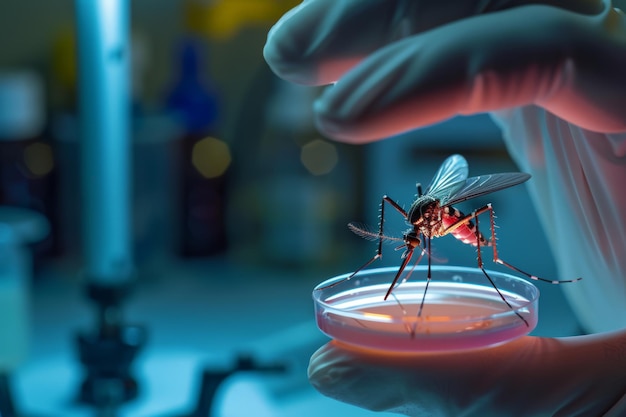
x=580 y=376
x=553 y=74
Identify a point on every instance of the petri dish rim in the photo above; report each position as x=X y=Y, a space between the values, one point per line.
x=525 y=292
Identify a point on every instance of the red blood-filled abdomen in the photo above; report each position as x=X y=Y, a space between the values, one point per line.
x=466 y=233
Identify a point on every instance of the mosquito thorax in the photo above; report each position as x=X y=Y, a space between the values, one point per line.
x=420 y=208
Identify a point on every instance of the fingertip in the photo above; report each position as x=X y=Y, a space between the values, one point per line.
x=284 y=57
x=374 y=127
x=313 y=44
x=314 y=363
x=339 y=133
x=286 y=49
x=330 y=123
x=326 y=368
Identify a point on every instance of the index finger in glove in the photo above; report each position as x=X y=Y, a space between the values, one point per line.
x=320 y=39
x=568 y=63
x=316 y=42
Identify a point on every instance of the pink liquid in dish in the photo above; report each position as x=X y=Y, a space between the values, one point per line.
x=456 y=316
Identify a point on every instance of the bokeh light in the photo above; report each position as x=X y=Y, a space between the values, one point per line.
x=38 y=159
x=211 y=157
x=319 y=157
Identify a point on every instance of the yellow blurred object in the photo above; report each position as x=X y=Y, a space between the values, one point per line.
x=222 y=19
x=211 y=157
x=319 y=157
x=64 y=59
x=39 y=159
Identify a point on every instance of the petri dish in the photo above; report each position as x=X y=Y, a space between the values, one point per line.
x=461 y=310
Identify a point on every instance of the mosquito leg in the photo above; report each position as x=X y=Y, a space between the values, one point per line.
x=465 y=220
x=481 y=266
x=492 y=242
x=377 y=256
x=408 y=275
x=428 y=277
x=405 y=261
x=393 y=204
x=497 y=259
x=429 y=258
x=379 y=249
x=409 y=328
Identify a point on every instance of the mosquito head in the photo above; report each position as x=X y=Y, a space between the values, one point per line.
x=423 y=205
x=411 y=239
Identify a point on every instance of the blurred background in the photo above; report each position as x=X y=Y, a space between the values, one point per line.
x=237 y=209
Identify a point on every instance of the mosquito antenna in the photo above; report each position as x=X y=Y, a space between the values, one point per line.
x=366 y=232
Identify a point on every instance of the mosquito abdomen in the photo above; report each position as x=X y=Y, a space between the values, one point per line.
x=465 y=233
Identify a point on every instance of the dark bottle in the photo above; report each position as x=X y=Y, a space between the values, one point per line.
x=204 y=158
x=27 y=160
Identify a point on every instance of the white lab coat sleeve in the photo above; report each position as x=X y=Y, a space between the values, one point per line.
x=579 y=191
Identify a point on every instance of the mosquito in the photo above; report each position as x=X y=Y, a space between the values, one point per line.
x=432 y=215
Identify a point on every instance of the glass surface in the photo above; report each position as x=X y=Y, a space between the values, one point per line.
x=462 y=310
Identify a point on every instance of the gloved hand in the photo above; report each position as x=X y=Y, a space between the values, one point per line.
x=531 y=376
x=425 y=61
x=553 y=75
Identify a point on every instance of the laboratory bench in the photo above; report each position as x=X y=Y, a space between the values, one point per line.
x=200 y=315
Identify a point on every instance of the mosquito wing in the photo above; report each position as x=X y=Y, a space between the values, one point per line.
x=450 y=176
x=485 y=184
